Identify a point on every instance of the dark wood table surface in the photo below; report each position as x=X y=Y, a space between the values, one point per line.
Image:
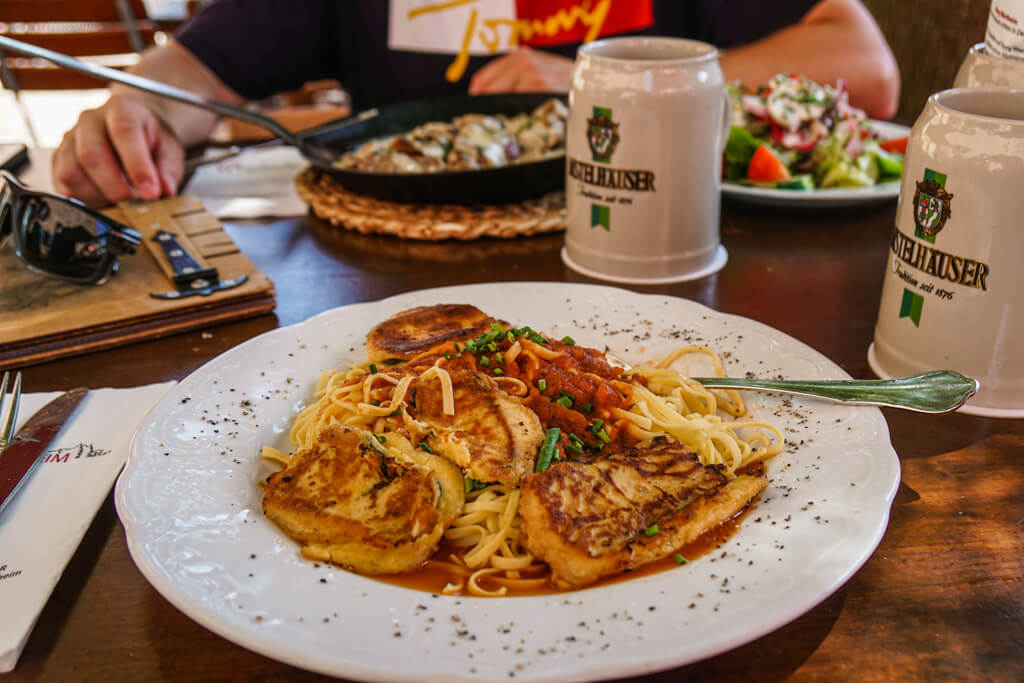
x=942 y=598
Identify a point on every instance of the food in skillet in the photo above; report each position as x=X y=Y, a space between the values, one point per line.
x=471 y=141
x=795 y=134
x=508 y=460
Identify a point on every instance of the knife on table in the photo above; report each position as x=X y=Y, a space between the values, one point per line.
x=22 y=454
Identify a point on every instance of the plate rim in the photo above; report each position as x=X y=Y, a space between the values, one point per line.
x=267 y=647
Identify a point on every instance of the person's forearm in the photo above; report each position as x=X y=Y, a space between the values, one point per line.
x=836 y=39
x=175 y=65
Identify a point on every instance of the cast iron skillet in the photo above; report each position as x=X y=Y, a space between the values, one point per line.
x=510 y=183
x=504 y=184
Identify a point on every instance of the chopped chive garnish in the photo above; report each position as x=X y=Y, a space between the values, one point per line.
x=373 y=368
x=484 y=361
x=652 y=530
x=499 y=371
x=588 y=407
x=510 y=336
x=547 y=449
x=576 y=440
x=569 y=340
x=471 y=484
x=492 y=347
x=564 y=401
x=377 y=444
x=603 y=435
x=456 y=346
x=375 y=402
x=382 y=439
x=498 y=358
x=448 y=356
x=678 y=557
x=422 y=445
x=497 y=328
x=573 y=448
x=396 y=411
x=596 y=427
x=542 y=384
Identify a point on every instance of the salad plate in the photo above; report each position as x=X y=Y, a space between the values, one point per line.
x=190 y=501
x=825 y=197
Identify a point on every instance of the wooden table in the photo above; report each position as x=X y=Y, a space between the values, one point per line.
x=941 y=599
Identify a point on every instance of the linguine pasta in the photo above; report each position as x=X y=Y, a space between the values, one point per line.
x=481 y=550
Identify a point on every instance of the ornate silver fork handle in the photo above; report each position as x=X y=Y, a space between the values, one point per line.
x=939 y=391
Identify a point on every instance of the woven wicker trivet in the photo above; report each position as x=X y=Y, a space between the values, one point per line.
x=333 y=203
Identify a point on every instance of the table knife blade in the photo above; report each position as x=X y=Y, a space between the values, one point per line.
x=22 y=454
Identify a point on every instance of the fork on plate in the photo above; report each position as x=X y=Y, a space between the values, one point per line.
x=12 y=415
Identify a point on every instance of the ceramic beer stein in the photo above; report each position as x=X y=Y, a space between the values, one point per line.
x=953 y=293
x=982 y=69
x=648 y=118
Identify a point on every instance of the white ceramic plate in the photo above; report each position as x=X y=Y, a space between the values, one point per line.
x=828 y=197
x=190 y=503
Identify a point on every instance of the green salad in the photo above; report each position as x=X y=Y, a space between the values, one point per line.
x=795 y=134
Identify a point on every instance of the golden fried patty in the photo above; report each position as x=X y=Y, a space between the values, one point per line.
x=492 y=436
x=589 y=519
x=375 y=506
x=417 y=330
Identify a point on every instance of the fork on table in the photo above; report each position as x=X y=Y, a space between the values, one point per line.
x=12 y=416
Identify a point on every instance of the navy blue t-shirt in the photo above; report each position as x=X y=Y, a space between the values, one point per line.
x=388 y=50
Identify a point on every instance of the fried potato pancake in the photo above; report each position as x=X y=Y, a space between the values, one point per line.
x=372 y=504
x=417 y=330
x=588 y=519
x=492 y=436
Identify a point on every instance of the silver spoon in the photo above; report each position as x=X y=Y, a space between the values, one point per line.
x=938 y=391
x=319 y=156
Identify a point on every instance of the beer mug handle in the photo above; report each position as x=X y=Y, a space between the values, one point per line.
x=726 y=121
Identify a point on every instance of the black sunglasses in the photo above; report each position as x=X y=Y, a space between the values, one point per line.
x=61 y=237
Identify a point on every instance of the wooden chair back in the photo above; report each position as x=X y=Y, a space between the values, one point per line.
x=111 y=31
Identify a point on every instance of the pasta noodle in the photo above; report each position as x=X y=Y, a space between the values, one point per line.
x=483 y=543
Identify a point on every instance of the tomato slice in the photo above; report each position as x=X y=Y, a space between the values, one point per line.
x=895 y=145
x=766 y=167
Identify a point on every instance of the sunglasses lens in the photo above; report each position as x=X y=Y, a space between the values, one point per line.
x=59 y=238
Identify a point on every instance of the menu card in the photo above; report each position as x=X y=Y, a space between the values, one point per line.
x=1004 y=36
x=258 y=183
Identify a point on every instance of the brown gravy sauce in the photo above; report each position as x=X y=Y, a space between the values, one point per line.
x=432 y=578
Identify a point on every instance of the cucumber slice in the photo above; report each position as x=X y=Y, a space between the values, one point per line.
x=797 y=182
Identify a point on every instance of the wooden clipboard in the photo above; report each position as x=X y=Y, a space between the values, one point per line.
x=42 y=318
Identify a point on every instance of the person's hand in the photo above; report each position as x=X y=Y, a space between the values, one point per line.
x=524 y=70
x=119 y=151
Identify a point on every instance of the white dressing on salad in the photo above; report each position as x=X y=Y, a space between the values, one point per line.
x=792 y=102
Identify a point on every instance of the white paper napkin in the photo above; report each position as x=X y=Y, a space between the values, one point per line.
x=258 y=183
x=43 y=524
